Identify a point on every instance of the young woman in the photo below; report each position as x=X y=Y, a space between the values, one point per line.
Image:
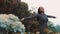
x=42 y=18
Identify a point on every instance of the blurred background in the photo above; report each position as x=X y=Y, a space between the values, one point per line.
x=25 y=8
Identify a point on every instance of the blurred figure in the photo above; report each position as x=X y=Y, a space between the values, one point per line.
x=42 y=18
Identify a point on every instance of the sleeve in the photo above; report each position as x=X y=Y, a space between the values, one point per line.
x=49 y=16
x=30 y=17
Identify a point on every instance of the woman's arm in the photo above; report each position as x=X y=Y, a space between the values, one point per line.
x=30 y=17
x=51 y=16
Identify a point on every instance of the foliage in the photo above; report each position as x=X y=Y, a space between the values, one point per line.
x=57 y=27
x=51 y=26
x=11 y=23
x=15 y=7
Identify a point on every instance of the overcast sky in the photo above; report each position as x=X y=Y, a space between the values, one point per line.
x=52 y=7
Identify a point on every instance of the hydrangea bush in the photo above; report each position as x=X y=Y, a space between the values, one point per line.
x=11 y=23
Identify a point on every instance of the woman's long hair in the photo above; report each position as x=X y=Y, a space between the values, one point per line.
x=39 y=11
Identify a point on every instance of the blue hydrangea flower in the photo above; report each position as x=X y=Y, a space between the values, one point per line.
x=17 y=25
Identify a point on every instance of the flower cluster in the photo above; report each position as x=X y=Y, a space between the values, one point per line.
x=11 y=22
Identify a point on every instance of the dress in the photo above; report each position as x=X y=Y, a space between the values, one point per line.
x=42 y=19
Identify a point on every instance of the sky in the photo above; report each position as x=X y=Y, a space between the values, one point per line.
x=52 y=7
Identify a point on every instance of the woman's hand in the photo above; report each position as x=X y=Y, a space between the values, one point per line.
x=54 y=17
x=22 y=19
